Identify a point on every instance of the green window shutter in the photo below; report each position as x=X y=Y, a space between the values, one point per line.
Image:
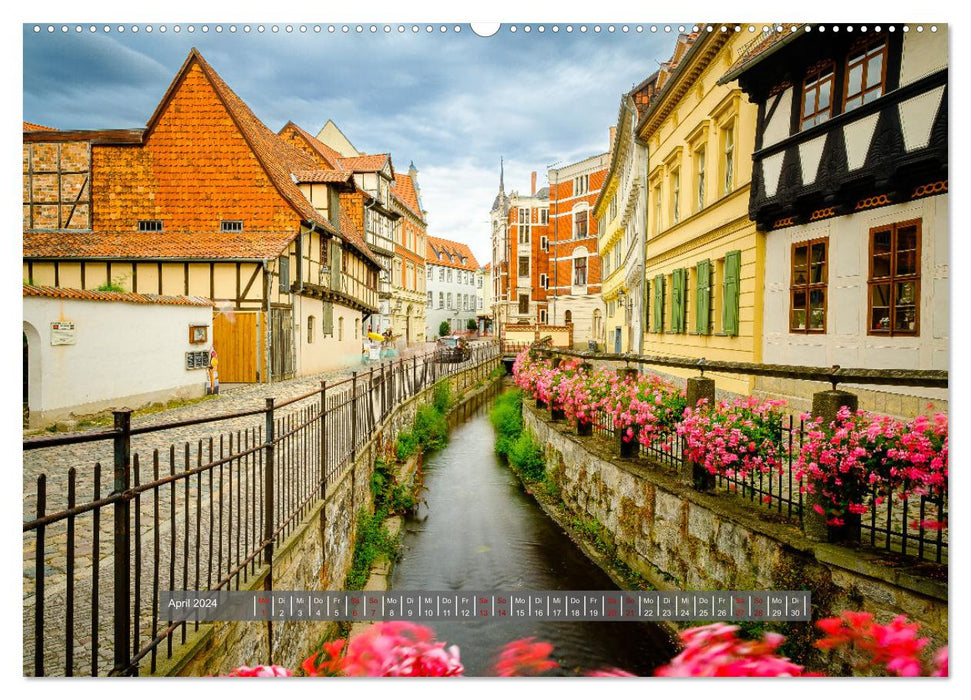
x=732 y=272
x=335 y=265
x=703 y=297
x=677 y=301
x=659 y=304
x=328 y=318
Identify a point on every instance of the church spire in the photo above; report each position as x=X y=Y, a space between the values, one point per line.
x=502 y=188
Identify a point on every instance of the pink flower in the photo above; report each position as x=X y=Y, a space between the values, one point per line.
x=524 y=657
x=259 y=672
x=400 y=649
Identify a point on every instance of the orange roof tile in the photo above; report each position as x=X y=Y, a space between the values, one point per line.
x=330 y=156
x=403 y=189
x=37 y=127
x=318 y=176
x=250 y=245
x=434 y=246
x=352 y=235
x=278 y=158
x=366 y=163
x=91 y=295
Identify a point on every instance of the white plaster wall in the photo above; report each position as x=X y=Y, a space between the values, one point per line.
x=923 y=53
x=846 y=342
x=125 y=355
x=434 y=315
x=581 y=309
x=326 y=352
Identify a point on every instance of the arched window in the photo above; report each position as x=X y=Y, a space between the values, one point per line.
x=311 y=320
x=340 y=328
x=568 y=317
x=596 y=323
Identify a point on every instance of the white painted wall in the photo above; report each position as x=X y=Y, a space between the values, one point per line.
x=326 y=352
x=125 y=355
x=846 y=342
x=581 y=311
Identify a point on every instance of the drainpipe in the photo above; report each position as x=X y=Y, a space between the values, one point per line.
x=269 y=325
x=644 y=293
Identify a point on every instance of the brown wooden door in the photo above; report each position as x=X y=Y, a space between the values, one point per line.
x=235 y=337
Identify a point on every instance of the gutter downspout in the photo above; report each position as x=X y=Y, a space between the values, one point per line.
x=644 y=292
x=269 y=325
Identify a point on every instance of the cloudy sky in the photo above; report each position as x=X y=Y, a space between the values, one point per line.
x=452 y=103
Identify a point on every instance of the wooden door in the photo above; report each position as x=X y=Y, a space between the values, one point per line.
x=236 y=339
x=282 y=348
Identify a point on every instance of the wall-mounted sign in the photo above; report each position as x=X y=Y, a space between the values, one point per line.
x=198 y=334
x=63 y=333
x=198 y=359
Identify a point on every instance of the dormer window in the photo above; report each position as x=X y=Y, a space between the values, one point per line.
x=149 y=225
x=231 y=226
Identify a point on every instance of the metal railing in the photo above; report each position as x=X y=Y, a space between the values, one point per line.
x=203 y=514
x=909 y=526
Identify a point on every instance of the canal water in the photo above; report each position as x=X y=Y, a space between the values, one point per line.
x=478 y=531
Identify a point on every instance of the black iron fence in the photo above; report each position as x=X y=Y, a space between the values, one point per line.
x=907 y=526
x=197 y=515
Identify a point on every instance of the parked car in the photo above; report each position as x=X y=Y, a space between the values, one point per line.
x=452 y=348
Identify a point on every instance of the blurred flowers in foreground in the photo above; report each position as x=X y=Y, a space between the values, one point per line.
x=404 y=649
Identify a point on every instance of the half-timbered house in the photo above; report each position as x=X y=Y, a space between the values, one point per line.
x=206 y=201
x=850 y=185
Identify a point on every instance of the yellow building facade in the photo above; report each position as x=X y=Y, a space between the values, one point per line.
x=705 y=259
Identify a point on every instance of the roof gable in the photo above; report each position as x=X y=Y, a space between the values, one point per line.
x=453 y=254
x=277 y=158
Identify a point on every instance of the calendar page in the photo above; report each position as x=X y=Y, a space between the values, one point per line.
x=527 y=348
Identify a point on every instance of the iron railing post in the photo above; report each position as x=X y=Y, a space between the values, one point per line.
x=122 y=541
x=268 y=515
x=353 y=416
x=414 y=364
x=323 y=439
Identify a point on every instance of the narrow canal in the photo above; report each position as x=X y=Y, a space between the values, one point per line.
x=478 y=530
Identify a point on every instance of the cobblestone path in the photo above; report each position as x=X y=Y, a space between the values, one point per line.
x=216 y=522
x=204 y=507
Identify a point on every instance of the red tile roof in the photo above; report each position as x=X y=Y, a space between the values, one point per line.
x=366 y=163
x=329 y=155
x=126 y=245
x=279 y=160
x=446 y=247
x=760 y=47
x=277 y=157
x=90 y=295
x=37 y=127
x=318 y=176
x=351 y=234
x=404 y=191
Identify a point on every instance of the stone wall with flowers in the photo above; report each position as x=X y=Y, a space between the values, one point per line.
x=679 y=538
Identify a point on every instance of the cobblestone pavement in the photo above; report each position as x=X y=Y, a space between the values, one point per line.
x=202 y=506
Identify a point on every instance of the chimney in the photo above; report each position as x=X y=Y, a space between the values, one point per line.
x=532 y=187
x=613 y=135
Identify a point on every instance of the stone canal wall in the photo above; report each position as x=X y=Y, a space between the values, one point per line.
x=315 y=556
x=680 y=538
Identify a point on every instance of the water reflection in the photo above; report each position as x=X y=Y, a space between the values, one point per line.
x=478 y=531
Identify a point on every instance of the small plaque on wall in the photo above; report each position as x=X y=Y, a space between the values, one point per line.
x=198 y=334
x=63 y=333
